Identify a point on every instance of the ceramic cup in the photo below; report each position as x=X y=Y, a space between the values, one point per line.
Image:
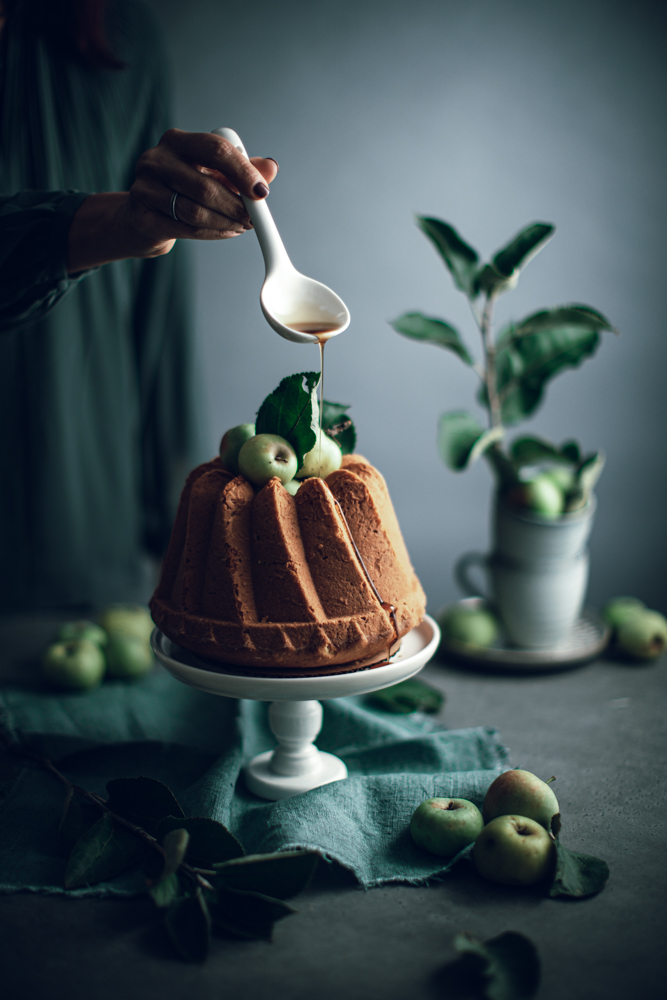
x=537 y=572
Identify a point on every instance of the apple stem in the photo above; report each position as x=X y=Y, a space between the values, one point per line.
x=552 y=778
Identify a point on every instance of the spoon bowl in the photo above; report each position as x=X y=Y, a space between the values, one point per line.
x=300 y=309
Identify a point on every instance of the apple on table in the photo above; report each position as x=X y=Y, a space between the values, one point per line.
x=445 y=826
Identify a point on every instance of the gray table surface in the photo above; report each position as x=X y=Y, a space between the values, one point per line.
x=599 y=728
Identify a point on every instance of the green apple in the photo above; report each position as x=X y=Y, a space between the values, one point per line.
x=316 y=464
x=475 y=626
x=128 y=619
x=522 y=794
x=445 y=826
x=541 y=495
x=643 y=635
x=78 y=664
x=562 y=477
x=618 y=609
x=128 y=656
x=293 y=486
x=82 y=630
x=231 y=444
x=267 y=455
x=514 y=850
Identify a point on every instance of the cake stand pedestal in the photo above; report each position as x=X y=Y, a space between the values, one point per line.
x=296 y=765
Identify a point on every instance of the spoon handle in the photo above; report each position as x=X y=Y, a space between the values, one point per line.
x=273 y=248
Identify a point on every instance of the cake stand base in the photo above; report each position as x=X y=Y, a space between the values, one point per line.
x=295 y=717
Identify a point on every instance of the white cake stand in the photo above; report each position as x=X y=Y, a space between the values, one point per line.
x=295 y=716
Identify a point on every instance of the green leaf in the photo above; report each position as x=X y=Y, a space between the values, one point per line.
x=248 y=914
x=571 y=451
x=144 y=801
x=533 y=450
x=490 y=282
x=339 y=426
x=522 y=248
x=291 y=411
x=77 y=818
x=570 y=317
x=280 y=875
x=525 y=365
x=164 y=892
x=432 y=331
x=461 y=440
x=102 y=852
x=175 y=845
x=461 y=259
x=189 y=925
x=504 y=968
x=210 y=841
x=587 y=476
x=407 y=696
x=577 y=875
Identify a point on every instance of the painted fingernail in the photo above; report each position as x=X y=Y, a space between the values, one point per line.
x=260 y=190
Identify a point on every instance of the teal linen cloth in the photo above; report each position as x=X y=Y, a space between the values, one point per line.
x=197 y=743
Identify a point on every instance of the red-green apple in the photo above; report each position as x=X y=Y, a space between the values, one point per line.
x=523 y=794
x=643 y=635
x=445 y=826
x=267 y=455
x=128 y=619
x=78 y=664
x=128 y=657
x=476 y=626
x=231 y=444
x=619 y=609
x=514 y=850
x=541 y=495
x=324 y=463
x=82 y=630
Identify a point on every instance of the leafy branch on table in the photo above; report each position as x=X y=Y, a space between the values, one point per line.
x=196 y=871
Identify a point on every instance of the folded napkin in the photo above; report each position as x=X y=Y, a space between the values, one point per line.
x=196 y=743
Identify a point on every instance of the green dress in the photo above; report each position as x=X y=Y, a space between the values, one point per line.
x=97 y=409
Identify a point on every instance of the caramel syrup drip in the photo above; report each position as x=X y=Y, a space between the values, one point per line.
x=385 y=605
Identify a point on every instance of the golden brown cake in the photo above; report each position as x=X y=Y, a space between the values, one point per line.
x=266 y=580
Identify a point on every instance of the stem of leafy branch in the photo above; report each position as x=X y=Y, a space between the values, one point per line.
x=485 y=328
x=97 y=800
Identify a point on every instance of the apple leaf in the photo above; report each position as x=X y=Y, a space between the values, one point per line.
x=461 y=260
x=522 y=248
x=164 y=892
x=77 y=818
x=279 y=876
x=144 y=801
x=338 y=425
x=506 y=967
x=291 y=411
x=209 y=842
x=432 y=331
x=248 y=914
x=407 y=696
x=102 y=852
x=527 y=361
x=587 y=476
x=461 y=440
x=532 y=450
x=189 y=925
x=577 y=875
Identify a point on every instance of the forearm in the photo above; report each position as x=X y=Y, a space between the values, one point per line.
x=102 y=231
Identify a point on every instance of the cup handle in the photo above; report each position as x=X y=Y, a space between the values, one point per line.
x=461 y=572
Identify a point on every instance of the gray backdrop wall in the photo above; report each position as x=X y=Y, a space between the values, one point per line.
x=489 y=114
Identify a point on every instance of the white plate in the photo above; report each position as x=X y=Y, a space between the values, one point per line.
x=587 y=638
x=417 y=648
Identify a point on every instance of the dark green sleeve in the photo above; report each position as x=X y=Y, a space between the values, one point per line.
x=33 y=253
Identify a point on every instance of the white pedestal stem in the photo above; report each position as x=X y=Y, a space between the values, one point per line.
x=296 y=765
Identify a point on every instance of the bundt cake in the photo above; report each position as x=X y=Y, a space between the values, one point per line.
x=263 y=579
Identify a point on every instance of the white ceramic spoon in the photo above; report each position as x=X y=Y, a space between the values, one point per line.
x=297 y=307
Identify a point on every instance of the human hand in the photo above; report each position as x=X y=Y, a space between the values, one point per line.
x=205 y=172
